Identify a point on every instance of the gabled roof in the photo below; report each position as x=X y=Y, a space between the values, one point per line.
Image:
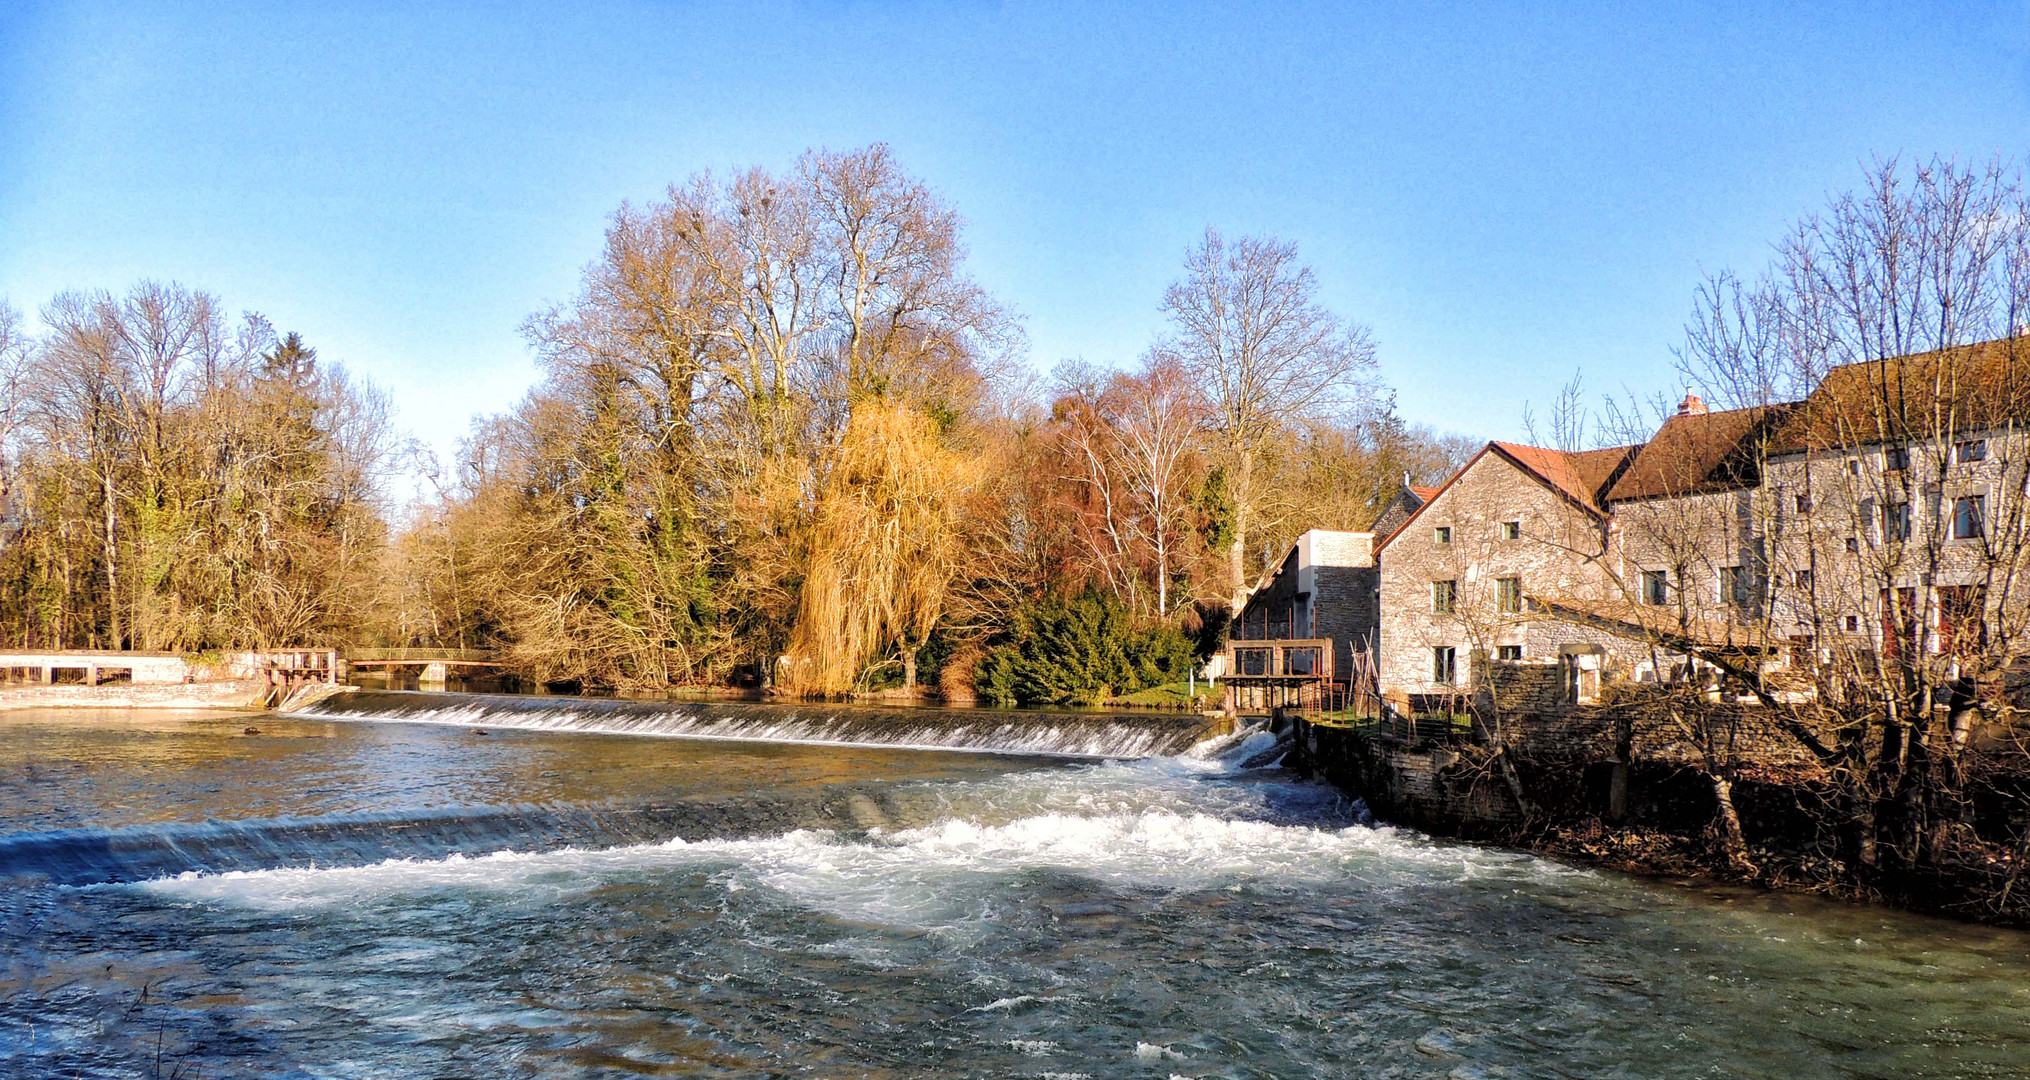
x=1423 y=494
x=1697 y=453
x=1582 y=477
x=1921 y=396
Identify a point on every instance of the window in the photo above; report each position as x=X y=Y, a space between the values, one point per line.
x=1969 y=517
x=1853 y=466
x=1901 y=622
x=1581 y=676
x=1443 y=595
x=1896 y=458
x=1511 y=530
x=1853 y=624
x=1803 y=580
x=1737 y=586
x=1508 y=652
x=1656 y=588
x=1803 y=503
x=1853 y=545
x=1442 y=534
x=1972 y=450
x=1444 y=664
x=1962 y=619
x=1896 y=522
x=1508 y=594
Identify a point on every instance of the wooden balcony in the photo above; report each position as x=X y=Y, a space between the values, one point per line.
x=1280 y=660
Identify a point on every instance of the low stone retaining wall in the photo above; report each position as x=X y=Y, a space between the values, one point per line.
x=222 y=694
x=1435 y=788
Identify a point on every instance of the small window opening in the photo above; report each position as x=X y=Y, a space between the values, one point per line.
x=1442 y=534
x=1969 y=517
x=1444 y=596
x=1656 y=588
x=1511 y=530
x=1508 y=594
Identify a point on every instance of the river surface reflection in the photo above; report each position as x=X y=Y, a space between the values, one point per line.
x=386 y=900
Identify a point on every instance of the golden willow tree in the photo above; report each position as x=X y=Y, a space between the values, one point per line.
x=172 y=482
x=755 y=447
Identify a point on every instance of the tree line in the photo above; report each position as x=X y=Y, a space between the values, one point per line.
x=781 y=438
x=174 y=480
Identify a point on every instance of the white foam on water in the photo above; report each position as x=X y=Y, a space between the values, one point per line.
x=987 y=735
x=943 y=877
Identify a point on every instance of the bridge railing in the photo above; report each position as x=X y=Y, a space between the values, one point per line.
x=422 y=655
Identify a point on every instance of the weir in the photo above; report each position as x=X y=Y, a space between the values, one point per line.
x=1076 y=735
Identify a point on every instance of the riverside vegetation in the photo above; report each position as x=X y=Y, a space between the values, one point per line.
x=781 y=439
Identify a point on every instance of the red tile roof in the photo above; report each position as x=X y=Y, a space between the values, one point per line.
x=1694 y=453
x=1581 y=476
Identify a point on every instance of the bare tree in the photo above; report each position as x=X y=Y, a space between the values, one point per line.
x=1247 y=325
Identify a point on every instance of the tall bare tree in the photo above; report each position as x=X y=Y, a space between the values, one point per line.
x=1247 y=324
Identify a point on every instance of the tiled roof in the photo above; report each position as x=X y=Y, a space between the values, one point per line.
x=1581 y=476
x=1693 y=453
x=1423 y=494
x=1920 y=396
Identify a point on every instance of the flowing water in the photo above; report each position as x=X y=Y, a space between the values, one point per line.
x=357 y=898
x=1088 y=735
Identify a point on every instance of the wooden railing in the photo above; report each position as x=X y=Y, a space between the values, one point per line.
x=421 y=656
x=1280 y=658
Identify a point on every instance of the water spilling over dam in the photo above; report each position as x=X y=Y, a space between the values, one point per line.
x=1061 y=734
x=355 y=898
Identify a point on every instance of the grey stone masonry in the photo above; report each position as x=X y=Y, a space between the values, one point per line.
x=1471 y=571
x=1325 y=587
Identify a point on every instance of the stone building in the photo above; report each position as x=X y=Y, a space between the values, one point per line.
x=1465 y=576
x=1871 y=517
x=1399 y=509
x=1307 y=626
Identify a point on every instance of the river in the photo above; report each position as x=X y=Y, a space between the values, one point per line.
x=358 y=898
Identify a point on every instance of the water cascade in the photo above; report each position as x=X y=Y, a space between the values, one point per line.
x=1076 y=735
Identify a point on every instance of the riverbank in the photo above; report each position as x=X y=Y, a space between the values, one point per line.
x=1557 y=793
x=212 y=694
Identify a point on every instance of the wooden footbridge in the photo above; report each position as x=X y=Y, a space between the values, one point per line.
x=432 y=666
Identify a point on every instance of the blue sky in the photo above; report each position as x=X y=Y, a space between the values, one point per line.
x=1504 y=193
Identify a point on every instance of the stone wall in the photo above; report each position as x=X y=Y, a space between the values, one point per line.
x=1557 y=555
x=222 y=694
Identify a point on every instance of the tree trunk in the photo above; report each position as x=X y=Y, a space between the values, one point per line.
x=1242 y=494
x=909 y=669
x=1727 y=823
x=112 y=552
x=1617 y=781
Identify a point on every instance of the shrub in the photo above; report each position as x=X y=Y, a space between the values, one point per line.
x=1080 y=650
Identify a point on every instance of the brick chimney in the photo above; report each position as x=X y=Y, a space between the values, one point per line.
x=1693 y=405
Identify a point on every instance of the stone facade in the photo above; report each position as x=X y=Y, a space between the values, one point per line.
x=1470 y=572
x=1325 y=587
